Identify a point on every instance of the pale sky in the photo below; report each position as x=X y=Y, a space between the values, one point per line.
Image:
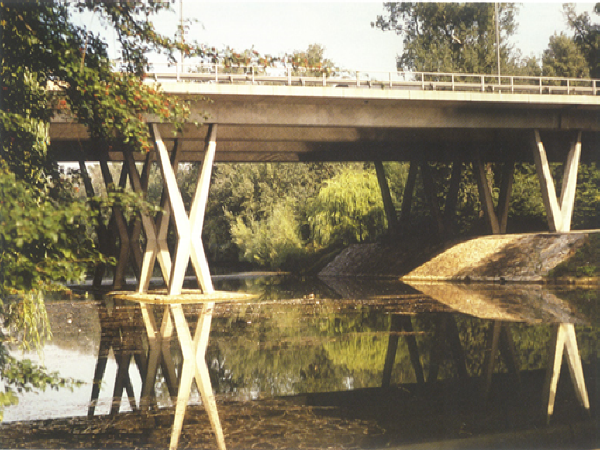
x=343 y=28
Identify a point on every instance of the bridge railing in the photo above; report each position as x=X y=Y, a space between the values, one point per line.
x=215 y=73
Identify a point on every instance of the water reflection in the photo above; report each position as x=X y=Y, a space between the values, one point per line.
x=503 y=304
x=345 y=364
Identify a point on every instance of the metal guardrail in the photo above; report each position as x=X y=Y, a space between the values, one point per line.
x=214 y=73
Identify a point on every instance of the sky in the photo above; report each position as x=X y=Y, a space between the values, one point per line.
x=342 y=28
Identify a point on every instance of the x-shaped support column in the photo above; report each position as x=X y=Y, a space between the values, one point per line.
x=159 y=353
x=188 y=228
x=496 y=219
x=559 y=212
x=128 y=233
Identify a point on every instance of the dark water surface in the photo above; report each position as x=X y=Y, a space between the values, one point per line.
x=333 y=363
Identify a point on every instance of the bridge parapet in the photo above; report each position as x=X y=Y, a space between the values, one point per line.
x=254 y=74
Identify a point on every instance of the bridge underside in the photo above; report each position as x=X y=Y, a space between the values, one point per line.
x=242 y=143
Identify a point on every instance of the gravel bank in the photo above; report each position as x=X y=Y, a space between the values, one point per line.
x=516 y=258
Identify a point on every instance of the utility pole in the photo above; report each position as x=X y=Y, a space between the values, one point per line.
x=497 y=40
x=181 y=24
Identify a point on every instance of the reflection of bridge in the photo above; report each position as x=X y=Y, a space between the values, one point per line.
x=435 y=118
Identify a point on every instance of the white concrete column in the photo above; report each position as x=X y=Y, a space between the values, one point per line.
x=188 y=229
x=558 y=212
x=569 y=183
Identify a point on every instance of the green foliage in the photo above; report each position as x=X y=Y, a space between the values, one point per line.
x=449 y=37
x=526 y=204
x=44 y=240
x=586 y=215
x=250 y=193
x=24 y=376
x=586 y=36
x=51 y=67
x=271 y=241
x=563 y=58
x=310 y=62
x=348 y=209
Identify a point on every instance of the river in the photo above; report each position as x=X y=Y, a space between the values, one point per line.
x=325 y=363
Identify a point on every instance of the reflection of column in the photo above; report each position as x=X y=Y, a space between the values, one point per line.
x=401 y=323
x=194 y=363
x=159 y=353
x=499 y=338
x=446 y=338
x=119 y=332
x=564 y=339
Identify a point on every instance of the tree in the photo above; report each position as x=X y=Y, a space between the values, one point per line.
x=312 y=61
x=272 y=241
x=52 y=67
x=563 y=58
x=587 y=36
x=449 y=37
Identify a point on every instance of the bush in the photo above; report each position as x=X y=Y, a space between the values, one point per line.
x=272 y=241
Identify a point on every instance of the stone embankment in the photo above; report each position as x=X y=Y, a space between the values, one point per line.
x=511 y=258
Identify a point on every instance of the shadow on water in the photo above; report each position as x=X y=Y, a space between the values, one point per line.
x=329 y=363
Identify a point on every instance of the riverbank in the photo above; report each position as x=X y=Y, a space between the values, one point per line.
x=531 y=258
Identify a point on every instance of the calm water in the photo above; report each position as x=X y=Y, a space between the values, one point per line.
x=330 y=363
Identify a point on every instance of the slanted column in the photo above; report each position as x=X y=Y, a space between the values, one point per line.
x=569 y=183
x=117 y=225
x=558 y=212
x=101 y=229
x=390 y=210
x=497 y=217
x=407 y=197
x=508 y=176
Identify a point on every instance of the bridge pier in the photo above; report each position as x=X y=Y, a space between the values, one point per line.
x=558 y=211
x=120 y=238
x=188 y=228
x=496 y=217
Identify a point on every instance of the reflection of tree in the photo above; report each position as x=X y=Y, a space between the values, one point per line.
x=307 y=345
x=266 y=353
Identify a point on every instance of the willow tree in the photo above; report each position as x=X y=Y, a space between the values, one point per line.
x=450 y=37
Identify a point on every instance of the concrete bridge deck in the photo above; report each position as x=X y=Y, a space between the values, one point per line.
x=340 y=122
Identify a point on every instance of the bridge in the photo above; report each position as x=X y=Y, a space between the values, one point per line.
x=255 y=116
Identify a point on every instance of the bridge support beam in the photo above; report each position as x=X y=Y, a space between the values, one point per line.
x=558 y=211
x=188 y=228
